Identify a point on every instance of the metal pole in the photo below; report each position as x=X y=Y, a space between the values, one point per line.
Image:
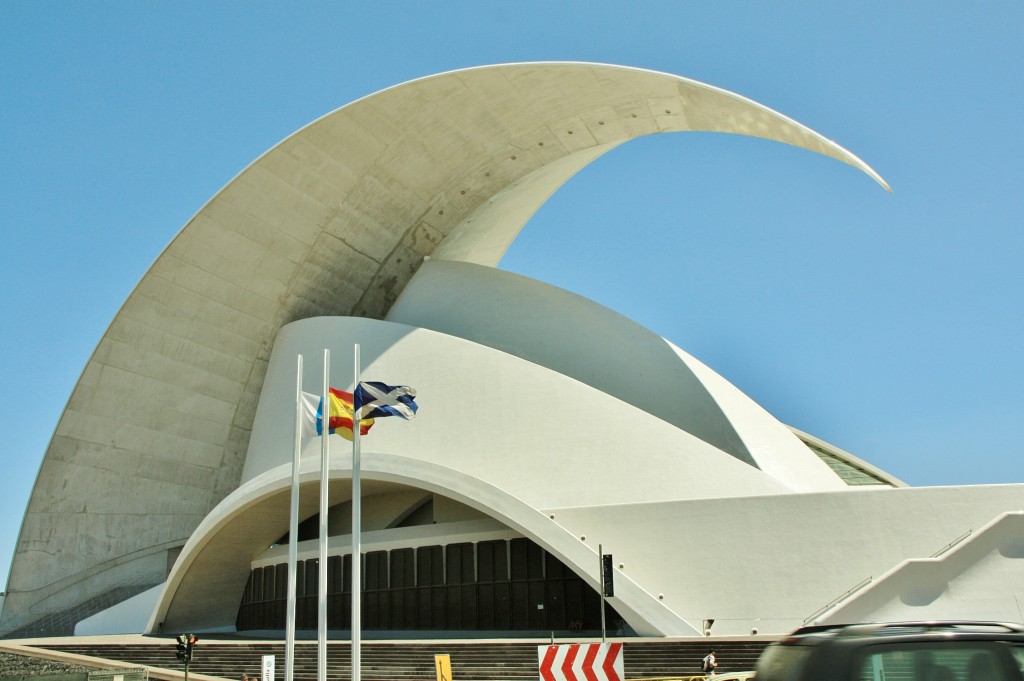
x=325 y=465
x=357 y=511
x=600 y=560
x=293 y=532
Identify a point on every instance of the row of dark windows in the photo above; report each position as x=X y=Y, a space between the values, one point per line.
x=494 y=585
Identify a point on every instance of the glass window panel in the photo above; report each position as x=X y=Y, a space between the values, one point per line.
x=1017 y=652
x=932 y=661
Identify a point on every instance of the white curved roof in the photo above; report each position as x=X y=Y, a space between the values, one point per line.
x=334 y=220
x=580 y=339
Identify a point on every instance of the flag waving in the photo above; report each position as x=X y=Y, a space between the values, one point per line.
x=380 y=400
x=339 y=415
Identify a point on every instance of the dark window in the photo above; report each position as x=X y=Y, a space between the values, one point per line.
x=491 y=586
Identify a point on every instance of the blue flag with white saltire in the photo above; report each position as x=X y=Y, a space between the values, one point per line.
x=385 y=400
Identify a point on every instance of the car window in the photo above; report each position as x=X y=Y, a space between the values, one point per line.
x=933 y=661
x=1017 y=651
x=781 y=663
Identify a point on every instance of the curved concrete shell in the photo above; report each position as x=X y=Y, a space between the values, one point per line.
x=161 y=435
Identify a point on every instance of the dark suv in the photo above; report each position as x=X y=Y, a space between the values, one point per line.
x=903 y=651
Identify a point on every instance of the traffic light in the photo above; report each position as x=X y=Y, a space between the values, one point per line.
x=184 y=647
x=607 y=575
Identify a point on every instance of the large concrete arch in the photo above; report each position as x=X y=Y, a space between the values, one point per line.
x=334 y=220
x=205 y=586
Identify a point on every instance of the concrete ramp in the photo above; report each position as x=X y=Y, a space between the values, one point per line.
x=977 y=577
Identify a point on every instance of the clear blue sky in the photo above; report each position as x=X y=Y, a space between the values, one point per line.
x=888 y=325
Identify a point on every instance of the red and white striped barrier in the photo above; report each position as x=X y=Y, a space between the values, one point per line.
x=581 y=662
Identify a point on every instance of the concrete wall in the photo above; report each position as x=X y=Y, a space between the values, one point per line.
x=770 y=562
x=981 y=577
x=128 y=617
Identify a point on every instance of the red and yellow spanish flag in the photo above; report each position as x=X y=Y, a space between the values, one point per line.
x=339 y=414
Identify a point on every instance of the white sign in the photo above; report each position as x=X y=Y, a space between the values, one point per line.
x=268 y=668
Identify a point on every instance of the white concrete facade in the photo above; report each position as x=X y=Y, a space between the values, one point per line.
x=381 y=224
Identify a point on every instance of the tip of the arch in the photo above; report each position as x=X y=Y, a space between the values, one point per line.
x=877 y=178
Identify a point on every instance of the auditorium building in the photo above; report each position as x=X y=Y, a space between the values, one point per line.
x=550 y=429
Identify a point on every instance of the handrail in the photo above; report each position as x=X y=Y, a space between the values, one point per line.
x=828 y=606
x=951 y=544
x=867 y=581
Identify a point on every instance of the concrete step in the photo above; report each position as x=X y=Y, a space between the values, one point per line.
x=414 y=661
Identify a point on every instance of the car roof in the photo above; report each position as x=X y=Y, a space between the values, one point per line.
x=966 y=628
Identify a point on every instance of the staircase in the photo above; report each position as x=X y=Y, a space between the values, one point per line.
x=414 y=661
x=984 y=564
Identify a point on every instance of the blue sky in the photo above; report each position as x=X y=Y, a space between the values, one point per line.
x=886 y=324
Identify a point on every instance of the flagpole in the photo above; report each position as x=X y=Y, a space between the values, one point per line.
x=325 y=465
x=357 y=511
x=293 y=532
